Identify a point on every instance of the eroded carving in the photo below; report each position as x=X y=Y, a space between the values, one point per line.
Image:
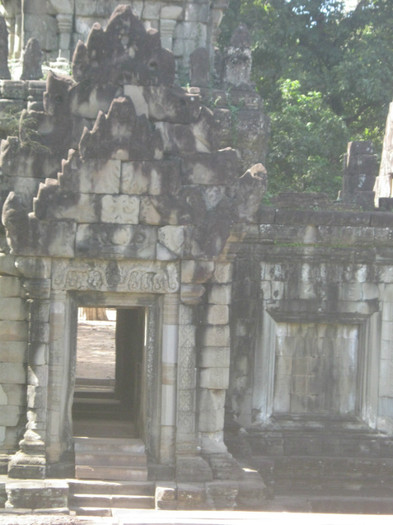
x=102 y=276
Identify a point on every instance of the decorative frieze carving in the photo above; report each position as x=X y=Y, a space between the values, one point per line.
x=126 y=277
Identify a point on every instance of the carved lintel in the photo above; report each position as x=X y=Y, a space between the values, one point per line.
x=126 y=277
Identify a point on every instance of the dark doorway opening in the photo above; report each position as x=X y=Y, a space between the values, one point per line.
x=108 y=395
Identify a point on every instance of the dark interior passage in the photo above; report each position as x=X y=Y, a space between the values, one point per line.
x=109 y=369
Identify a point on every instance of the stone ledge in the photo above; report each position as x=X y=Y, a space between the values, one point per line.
x=282 y=216
x=37 y=494
x=27 y=512
x=247 y=493
x=14 y=89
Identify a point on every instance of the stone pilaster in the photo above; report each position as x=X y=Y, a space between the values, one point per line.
x=169 y=17
x=217 y=12
x=214 y=362
x=64 y=24
x=168 y=383
x=190 y=466
x=167 y=28
x=30 y=461
x=61 y=378
x=186 y=375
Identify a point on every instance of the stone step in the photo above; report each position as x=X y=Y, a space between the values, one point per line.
x=108 y=411
x=108 y=445
x=127 y=488
x=115 y=460
x=92 y=511
x=122 y=459
x=112 y=501
x=110 y=473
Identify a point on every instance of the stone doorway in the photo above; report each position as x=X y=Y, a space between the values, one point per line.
x=109 y=369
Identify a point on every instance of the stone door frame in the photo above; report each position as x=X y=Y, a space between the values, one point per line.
x=150 y=285
x=152 y=305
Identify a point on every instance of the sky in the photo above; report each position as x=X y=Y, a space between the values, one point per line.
x=351 y=4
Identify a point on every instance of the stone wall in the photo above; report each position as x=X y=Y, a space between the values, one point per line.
x=321 y=355
x=58 y=25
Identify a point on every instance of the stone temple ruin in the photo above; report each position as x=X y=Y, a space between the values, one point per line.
x=253 y=343
x=184 y=25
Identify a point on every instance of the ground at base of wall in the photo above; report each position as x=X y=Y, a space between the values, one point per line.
x=129 y=517
x=296 y=506
x=104 y=499
x=331 y=505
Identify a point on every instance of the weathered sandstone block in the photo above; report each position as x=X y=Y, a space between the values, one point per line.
x=116 y=240
x=214 y=356
x=217 y=314
x=150 y=177
x=12 y=373
x=12 y=309
x=173 y=238
x=196 y=272
x=220 y=294
x=91 y=176
x=13 y=331
x=220 y=167
x=10 y=286
x=119 y=209
x=214 y=378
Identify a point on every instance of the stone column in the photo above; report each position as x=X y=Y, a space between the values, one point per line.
x=168 y=382
x=189 y=464
x=30 y=461
x=13 y=16
x=214 y=374
x=64 y=24
x=169 y=16
x=195 y=25
x=34 y=18
x=214 y=370
x=14 y=37
x=151 y=14
x=61 y=382
x=360 y=170
x=167 y=28
x=217 y=12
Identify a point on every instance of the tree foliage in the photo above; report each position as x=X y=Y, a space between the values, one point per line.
x=306 y=146
x=341 y=61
